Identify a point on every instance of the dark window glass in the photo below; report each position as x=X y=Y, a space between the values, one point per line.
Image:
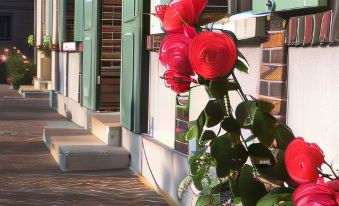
x=181 y=123
x=5 y=27
x=70 y=20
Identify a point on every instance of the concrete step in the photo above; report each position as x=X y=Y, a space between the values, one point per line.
x=48 y=133
x=84 y=139
x=93 y=157
x=107 y=127
x=36 y=94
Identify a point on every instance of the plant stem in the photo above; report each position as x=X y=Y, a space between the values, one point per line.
x=330 y=166
x=242 y=94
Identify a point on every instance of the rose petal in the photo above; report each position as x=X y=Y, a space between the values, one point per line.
x=173 y=53
x=302 y=160
x=314 y=194
x=212 y=54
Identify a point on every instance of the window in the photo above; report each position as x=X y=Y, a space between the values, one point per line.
x=5 y=27
x=69 y=20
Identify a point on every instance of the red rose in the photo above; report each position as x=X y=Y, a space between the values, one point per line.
x=213 y=54
x=180 y=13
x=302 y=160
x=314 y=194
x=333 y=184
x=160 y=11
x=177 y=82
x=173 y=54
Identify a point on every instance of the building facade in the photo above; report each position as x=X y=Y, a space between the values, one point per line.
x=105 y=58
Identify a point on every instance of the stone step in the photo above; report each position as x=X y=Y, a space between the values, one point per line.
x=66 y=132
x=92 y=157
x=36 y=94
x=84 y=139
x=107 y=127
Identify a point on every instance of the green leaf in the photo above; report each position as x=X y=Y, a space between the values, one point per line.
x=192 y=133
x=199 y=163
x=263 y=127
x=206 y=136
x=231 y=125
x=242 y=56
x=214 y=113
x=193 y=162
x=265 y=106
x=251 y=190
x=209 y=188
x=218 y=87
x=236 y=200
x=276 y=196
x=242 y=66
x=227 y=155
x=183 y=186
x=277 y=171
x=234 y=186
x=200 y=126
x=201 y=120
x=260 y=154
x=283 y=136
x=245 y=112
x=204 y=200
x=231 y=34
x=199 y=177
x=287 y=203
x=250 y=138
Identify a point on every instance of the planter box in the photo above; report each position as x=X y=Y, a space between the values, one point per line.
x=261 y=6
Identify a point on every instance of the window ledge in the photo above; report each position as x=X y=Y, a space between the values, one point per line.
x=151 y=139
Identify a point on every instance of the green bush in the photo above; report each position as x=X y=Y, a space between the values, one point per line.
x=20 y=71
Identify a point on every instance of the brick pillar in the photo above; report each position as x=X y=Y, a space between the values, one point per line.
x=273 y=72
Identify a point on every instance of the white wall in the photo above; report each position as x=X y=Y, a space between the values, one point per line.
x=249 y=82
x=313 y=96
x=162 y=104
x=168 y=167
x=73 y=75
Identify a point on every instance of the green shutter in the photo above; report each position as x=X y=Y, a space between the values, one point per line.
x=134 y=71
x=78 y=20
x=62 y=21
x=49 y=17
x=90 y=54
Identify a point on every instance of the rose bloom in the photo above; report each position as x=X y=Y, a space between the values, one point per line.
x=173 y=53
x=177 y=82
x=315 y=194
x=3 y=58
x=6 y=50
x=302 y=160
x=180 y=13
x=213 y=55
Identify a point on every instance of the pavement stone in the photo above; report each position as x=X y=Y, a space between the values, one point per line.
x=30 y=176
x=6 y=91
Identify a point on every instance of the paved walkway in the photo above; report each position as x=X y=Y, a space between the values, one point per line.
x=30 y=176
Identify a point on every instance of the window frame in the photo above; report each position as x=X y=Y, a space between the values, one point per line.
x=10 y=30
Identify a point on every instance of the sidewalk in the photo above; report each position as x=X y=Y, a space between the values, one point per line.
x=30 y=176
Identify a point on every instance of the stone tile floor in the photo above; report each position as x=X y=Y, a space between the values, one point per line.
x=30 y=176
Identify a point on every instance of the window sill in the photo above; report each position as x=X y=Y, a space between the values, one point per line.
x=151 y=139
